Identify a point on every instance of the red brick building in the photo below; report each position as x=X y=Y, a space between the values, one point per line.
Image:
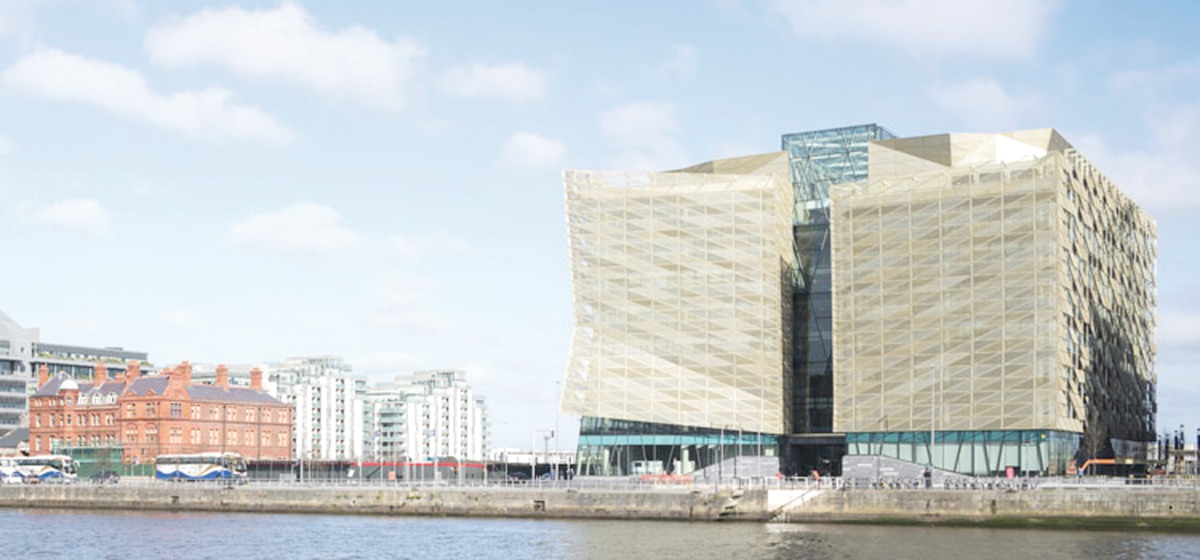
x=147 y=416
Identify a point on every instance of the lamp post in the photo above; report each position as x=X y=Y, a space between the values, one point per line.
x=932 y=409
x=721 y=456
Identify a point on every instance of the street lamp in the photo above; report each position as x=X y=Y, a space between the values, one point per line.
x=932 y=409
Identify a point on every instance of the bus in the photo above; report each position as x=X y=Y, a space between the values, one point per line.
x=45 y=468
x=8 y=471
x=201 y=466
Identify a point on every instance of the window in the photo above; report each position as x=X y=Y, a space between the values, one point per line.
x=37 y=420
x=151 y=409
x=37 y=443
x=131 y=410
x=68 y=420
x=231 y=413
x=279 y=437
x=131 y=435
x=108 y=419
x=176 y=410
x=195 y=412
x=233 y=438
x=214 y=413
x=213 y=439
x=195 y=436
x=176 y=436
x=249 y=414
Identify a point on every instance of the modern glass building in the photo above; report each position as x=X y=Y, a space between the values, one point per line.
x=975 y=301
x=682 y=284
x=817 y=161
x=994 y=300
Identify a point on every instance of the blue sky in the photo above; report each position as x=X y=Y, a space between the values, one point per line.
x=242 y=182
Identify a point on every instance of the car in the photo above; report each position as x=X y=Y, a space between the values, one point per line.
x=106 y=477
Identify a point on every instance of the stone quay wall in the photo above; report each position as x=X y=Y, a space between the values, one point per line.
x=1168 y=508
x=1109 y=508
x=668 y=503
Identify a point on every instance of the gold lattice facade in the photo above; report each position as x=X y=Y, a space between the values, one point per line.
x=992 y=282
x=681 y=284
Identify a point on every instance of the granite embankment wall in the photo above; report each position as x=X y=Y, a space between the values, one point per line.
x=1116 y=508
x=649 y=503
x=1176 y=509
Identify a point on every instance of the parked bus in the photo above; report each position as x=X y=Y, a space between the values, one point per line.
x=8 y=471
x=201 y=466
x=45 y=468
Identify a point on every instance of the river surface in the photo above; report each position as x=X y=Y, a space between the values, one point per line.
x=130 y=535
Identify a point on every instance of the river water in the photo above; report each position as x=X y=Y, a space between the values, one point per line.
x=130 y=535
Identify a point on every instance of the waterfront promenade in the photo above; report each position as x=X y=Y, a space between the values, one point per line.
x=1048 y=504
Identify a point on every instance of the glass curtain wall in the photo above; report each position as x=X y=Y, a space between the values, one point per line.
x=982 y=453
x=609 y=447
x=818 y=160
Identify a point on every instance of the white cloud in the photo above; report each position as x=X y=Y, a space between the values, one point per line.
x=531 y=151
x=82 y=215
x=400 y=304
x=286 y=44
x=206 y=113
x=300 y=229
x=684 y=62
x=1179 y=330
x=644 y=133
x=412 y=247
x=997 y=28
x=513 y=82
x=982 y=103
x=1161 y=176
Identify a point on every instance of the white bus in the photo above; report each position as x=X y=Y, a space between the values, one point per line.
x=8 y=471
x=201 y=466
x=45 y=468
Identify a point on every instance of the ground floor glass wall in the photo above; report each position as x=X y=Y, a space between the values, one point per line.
x=623 y=448
x=981 y=453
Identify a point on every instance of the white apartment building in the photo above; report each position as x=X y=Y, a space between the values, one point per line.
x=328 y=400
x=428 y=414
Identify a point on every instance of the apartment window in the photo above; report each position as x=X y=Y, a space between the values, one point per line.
x=37 y=443
x=151 y=409
x=214 y=413
x=195 y=412
x=249 y=414
x=233 y=439
x=108 y=419
x=213 y=438
x=231 y=413
x=68 y=420
x=131 y=435
x=176 y=410
x=130 y=410
x=195 y=436
x=176 y=435
x=265 y=439
x=280 y=437
x=37 y=420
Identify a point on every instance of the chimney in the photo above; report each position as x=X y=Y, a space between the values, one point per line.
x=256 y=379
x=101 y=374
x=133 y=370
x=222 y=376
x=184 y=373
x=43 y=375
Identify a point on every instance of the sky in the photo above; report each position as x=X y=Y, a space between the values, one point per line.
x=243 y=182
